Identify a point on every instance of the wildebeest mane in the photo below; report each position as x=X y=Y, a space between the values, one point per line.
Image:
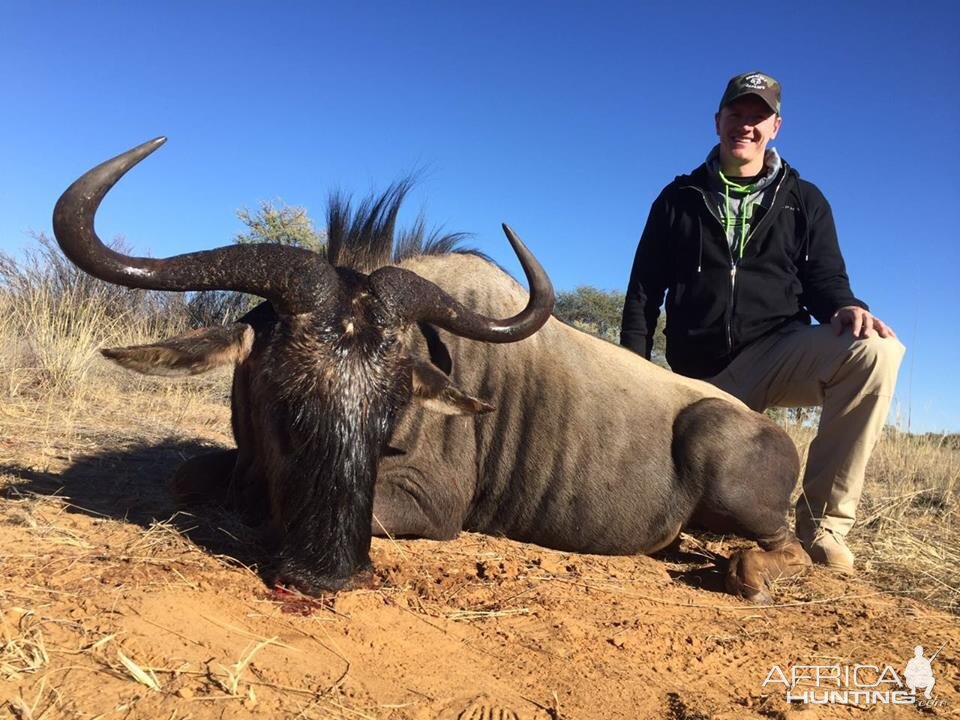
x=367 y=238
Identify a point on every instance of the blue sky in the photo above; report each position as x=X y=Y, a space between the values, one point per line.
x=564 y=119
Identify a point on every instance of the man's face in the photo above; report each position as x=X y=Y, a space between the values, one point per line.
x=745 y=126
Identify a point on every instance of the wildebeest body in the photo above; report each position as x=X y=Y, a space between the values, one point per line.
x=591 y=448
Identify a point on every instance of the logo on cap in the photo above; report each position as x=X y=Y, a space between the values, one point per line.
x=756 y=80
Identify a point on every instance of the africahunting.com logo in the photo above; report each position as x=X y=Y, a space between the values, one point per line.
x=858 y=684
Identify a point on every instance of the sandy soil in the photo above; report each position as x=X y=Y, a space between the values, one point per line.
x=115 y=606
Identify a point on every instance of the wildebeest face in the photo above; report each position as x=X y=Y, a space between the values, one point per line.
x=318 y=386
x=325 y=390
x=320 y=392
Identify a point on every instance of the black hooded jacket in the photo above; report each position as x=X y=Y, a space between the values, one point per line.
x=791 y=269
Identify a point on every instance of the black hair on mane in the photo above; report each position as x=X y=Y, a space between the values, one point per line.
x=366 y=238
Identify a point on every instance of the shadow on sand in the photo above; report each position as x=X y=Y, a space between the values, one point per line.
x=696 y=569
x=129 y=483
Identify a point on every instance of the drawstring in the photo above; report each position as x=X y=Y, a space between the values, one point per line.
x=700 y=251
x=729 y=222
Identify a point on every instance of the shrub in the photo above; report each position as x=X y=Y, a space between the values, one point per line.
x=57 y=316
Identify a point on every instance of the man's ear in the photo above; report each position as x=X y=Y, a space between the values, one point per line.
x=192 y=353
x=439 y=394
x=776 y=126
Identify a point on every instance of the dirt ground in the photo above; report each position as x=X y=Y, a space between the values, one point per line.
x=116 y=606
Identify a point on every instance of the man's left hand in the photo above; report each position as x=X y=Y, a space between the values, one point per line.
x=861 y=322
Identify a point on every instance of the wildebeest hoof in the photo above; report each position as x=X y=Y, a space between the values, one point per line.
x=745 y=577
x=757 y=597
x=364 y=580
x=751 y=573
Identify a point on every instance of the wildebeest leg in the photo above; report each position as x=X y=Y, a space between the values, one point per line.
x=221 y=478
x=427 y=478
x=746 y=468
x=247 y=493
x=204 y=479
x=406 y=503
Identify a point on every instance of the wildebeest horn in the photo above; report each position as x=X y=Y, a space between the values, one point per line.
x=292 y=278
x=417 y=299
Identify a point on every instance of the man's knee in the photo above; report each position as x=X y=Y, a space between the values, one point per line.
x=872 y=363
x=877 y=355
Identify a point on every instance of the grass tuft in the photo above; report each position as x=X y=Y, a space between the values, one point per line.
x=22 y=645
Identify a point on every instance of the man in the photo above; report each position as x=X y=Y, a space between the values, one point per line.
x=746 y=252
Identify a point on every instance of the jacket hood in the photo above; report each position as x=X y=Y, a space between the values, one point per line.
x=704 y=176
x=771 y=168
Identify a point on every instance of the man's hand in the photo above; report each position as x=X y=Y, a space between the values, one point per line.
x=861 y=322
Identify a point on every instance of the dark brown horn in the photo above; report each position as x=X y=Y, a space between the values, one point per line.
x=292 y=278
x=419 y=300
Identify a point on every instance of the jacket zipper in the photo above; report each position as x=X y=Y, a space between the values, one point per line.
x=728 y=320
x=734 y=262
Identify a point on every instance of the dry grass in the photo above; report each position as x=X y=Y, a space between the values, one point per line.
x=57 y=318
x=55 y=390
x=144 y=677
x=22 y=647
x=907 y=535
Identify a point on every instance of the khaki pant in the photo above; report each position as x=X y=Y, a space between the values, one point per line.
x=803 y=365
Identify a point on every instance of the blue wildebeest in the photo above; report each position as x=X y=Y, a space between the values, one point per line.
x=367 y=399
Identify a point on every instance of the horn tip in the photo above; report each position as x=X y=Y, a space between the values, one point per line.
x=514 y=239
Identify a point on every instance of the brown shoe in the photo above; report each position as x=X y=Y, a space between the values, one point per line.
x=830 y=549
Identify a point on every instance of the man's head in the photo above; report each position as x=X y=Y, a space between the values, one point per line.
x=748 y=119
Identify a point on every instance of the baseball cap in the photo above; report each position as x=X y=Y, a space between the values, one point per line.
x=753 y=83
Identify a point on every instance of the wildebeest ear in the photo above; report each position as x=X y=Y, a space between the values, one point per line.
x=439 y=394
x=439 y=355
x=192 y=353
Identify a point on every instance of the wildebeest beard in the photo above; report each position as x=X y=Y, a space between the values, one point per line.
x=332 y=401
